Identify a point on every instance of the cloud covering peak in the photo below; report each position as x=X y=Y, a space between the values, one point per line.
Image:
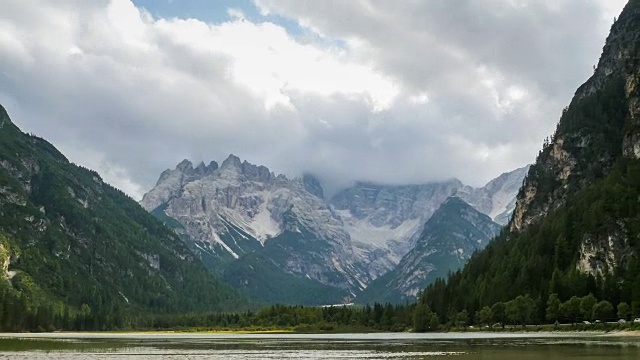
x=363 y=90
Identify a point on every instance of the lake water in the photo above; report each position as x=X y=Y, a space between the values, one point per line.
x=453 y=346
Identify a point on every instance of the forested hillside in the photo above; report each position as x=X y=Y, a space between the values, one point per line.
x=77 y=253
x=575 y=232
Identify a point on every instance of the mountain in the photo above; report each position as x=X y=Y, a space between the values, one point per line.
x=454 y=232
x=237 y=210
x=385 y=221
x=576 y=224
x=278 y=240
x=70 y=243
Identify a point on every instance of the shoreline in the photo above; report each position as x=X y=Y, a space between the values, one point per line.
x=623 y=333
x=227 y=333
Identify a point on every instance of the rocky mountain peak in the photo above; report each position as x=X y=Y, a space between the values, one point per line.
x=233 y=167
x=312 y=185
x=184 y=166
x=231 y=161
x=204 y=170
x=256 y=173
x=511 y=180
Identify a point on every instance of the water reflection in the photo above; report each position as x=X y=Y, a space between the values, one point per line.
x=543 y=346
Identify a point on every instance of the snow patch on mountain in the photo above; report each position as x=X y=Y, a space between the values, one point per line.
x=217 y=240
x=498 y=197
x=364 y=232
x=258 y=223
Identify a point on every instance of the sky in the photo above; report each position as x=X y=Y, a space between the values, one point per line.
x=395 y=92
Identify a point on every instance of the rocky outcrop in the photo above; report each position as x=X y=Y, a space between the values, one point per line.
x=170 y=183
x=602 y=255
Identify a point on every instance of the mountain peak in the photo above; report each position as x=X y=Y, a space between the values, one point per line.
x=454 y=232
x=312 y=185
x=3 y=113
x=256 y=172
x=231 y=161
x=517 y=174
x=454 y=200
x=203 y=169
x=184 y=165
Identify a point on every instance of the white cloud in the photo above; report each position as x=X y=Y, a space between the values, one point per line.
x=393 y=92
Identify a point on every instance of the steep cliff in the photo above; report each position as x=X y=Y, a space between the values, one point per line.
x=601 y=125
x=576 y=225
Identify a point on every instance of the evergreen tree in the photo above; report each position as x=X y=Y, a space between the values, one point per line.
x=553 y=308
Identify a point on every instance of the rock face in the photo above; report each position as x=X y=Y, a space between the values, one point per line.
x=584 y=147
x=240 y=216
x=617 y=68
x=576 y=225
x=454 y=232
x=235 y=209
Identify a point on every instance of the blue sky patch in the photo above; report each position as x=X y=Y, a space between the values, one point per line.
x=214 y=11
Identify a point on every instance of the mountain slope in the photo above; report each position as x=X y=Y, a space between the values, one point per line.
x=448 y=239
x=68 y=238
x=576 y=225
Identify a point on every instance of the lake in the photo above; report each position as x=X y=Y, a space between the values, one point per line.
x=454 y=346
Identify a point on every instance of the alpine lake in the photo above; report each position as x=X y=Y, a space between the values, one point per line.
x=454 y=346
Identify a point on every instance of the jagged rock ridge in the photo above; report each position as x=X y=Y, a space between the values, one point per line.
x=239 y=209
x=227 y=209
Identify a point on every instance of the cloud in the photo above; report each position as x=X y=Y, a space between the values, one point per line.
x=373 y=90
